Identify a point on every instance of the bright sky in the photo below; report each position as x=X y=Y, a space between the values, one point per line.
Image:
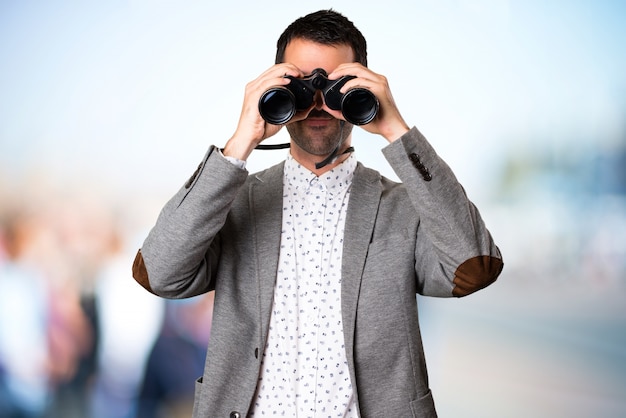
x=138 y=90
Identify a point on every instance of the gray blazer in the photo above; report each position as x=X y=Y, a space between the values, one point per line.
x=222 y=231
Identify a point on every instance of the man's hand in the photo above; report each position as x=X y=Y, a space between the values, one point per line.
x=388 y=123
x=252 y=128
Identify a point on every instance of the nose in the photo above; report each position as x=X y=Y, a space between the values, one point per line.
x=318 y=100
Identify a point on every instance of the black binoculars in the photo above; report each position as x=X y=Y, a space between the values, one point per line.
x=277 y=105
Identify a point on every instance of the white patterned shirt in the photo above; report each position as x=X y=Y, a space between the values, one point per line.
x=304 y=371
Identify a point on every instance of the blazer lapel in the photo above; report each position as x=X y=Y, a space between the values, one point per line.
x=361 y=217
x=266 y=208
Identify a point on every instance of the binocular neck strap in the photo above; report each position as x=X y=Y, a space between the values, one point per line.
x=328 y=160
x=333 y=156
x=273 y=146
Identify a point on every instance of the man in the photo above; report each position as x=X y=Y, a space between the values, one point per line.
x=315 y=266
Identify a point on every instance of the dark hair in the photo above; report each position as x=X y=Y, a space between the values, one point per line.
x=326 y=27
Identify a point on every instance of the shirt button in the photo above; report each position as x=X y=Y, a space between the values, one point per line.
x=235 y=414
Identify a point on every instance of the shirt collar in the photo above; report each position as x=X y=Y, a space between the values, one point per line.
x=333 y=181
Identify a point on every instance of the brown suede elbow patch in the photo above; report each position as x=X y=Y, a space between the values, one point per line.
x=140 y=274
x=475 y=274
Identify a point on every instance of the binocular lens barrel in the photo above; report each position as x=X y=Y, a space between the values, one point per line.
x=277 y=105
x=359 y=106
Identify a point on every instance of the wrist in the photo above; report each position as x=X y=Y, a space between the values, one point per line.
x=238 y=149
x=396 y=132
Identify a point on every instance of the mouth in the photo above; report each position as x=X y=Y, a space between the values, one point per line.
x=318 y=118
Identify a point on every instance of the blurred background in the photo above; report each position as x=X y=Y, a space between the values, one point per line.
x=106 y=108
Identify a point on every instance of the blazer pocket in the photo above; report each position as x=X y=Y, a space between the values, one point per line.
x=424 y=407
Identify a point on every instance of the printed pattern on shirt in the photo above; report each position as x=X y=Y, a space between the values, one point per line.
x=304 y=370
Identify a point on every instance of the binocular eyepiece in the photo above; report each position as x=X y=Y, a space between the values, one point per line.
x=277 y=105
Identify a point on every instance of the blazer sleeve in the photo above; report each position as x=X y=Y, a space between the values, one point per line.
x=178 y=257
x=454 y=249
